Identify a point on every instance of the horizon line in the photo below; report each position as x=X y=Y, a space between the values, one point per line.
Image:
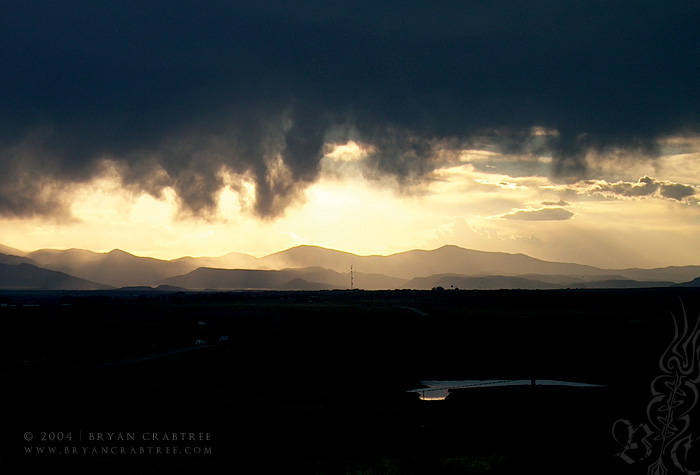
x=132 y=253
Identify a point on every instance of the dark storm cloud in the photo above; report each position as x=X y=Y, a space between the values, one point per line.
x=175 y=93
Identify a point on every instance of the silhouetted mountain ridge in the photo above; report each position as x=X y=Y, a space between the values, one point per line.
x=27 y=276
x=542 y=282
x=452 y=259
x=693 y=283
x=330 y=268
x=491 y=282
x=116 y=268
x=14 y=260
x=243 y=279
x=11 y=251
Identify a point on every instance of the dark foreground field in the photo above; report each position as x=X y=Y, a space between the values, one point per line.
x=315 y=382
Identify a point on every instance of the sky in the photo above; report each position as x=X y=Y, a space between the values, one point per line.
x=568 y=131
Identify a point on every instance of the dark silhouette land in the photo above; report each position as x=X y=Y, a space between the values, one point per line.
x=317 y=381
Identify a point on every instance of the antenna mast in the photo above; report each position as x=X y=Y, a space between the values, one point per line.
x=351 y=278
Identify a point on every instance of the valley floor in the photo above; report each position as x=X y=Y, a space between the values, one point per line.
x=318 y=382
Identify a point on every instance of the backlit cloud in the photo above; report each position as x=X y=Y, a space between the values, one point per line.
x=542 y=214
x=646 y=187
x=177 y=95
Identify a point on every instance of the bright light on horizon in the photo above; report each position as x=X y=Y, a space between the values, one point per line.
x=464 y=204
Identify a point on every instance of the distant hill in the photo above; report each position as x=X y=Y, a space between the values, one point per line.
x=420 y=263
x=460 y=261
x=674 y=273
x=232 y=260
x=11 y=251
x=145 y=288
x=341 y=280
x=27 y=276
x=240 y=279
x=572 y=280
x=14 y=259
x=597 y=281
x=121 y=269
x=491 y=282
x=693 y=283
x=621 y=284
x=310 y=278
x=298 y=283
x=116 y=268
x=466 y=262
x=315 y=256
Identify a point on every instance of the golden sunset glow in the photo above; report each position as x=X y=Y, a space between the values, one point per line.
x=274 y=234
x=460 y=204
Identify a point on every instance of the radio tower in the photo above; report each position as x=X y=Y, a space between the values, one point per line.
x=351 y=278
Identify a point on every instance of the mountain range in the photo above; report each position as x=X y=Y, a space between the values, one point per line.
x=316 y=268
x=26 y=276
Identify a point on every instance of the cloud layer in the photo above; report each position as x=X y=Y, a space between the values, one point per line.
x=646 y=187
x=543 y=214
x=185 y=95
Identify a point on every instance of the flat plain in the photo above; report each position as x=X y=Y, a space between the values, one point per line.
x=316 y=382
